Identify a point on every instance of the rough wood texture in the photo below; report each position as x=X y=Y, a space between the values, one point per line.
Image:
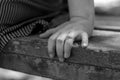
x=100 y=61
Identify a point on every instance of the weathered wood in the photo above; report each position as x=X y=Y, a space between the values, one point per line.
x=100 y=61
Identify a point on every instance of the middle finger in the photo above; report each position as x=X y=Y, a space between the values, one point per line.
x=60 y=46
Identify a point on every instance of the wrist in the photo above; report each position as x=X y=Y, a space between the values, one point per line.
x=85 y=24
x=78 y=18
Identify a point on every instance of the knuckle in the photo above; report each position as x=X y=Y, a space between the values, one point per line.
x=60 y=40
x=69 y=42
x=52 y=39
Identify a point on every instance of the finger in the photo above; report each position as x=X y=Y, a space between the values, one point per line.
x=67 y=47
x=80 y=36
x=52 y=45
x=60 y=46
x=84 y=36
x=69 y=42
x=47 y=33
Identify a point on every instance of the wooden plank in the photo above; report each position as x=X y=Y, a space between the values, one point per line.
x=107 y=23
x=56 y=70
x=101 y=57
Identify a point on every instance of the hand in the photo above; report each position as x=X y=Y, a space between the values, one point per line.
x=62 y=37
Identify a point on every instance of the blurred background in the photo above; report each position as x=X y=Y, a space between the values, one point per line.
x=106 y=10
x=107 y=7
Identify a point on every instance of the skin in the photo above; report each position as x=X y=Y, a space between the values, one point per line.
x=79 y=27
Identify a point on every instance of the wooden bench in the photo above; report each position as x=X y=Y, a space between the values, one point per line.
x=99 y=61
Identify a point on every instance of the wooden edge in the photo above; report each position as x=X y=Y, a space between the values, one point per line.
x=38 y=48
x=54 y=69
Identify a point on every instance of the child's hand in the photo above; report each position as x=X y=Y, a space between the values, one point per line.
x=62 y=37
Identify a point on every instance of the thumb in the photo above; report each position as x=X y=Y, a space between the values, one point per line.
x=47 y=33
x=82 y=38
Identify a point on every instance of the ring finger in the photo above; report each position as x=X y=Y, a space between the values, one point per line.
x=60 y=46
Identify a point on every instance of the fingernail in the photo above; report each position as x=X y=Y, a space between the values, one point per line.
x=51 y=56
x=66 y=55
x=61 y=59
x=84 y=45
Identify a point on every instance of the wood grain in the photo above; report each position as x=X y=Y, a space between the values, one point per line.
x=101 y=57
